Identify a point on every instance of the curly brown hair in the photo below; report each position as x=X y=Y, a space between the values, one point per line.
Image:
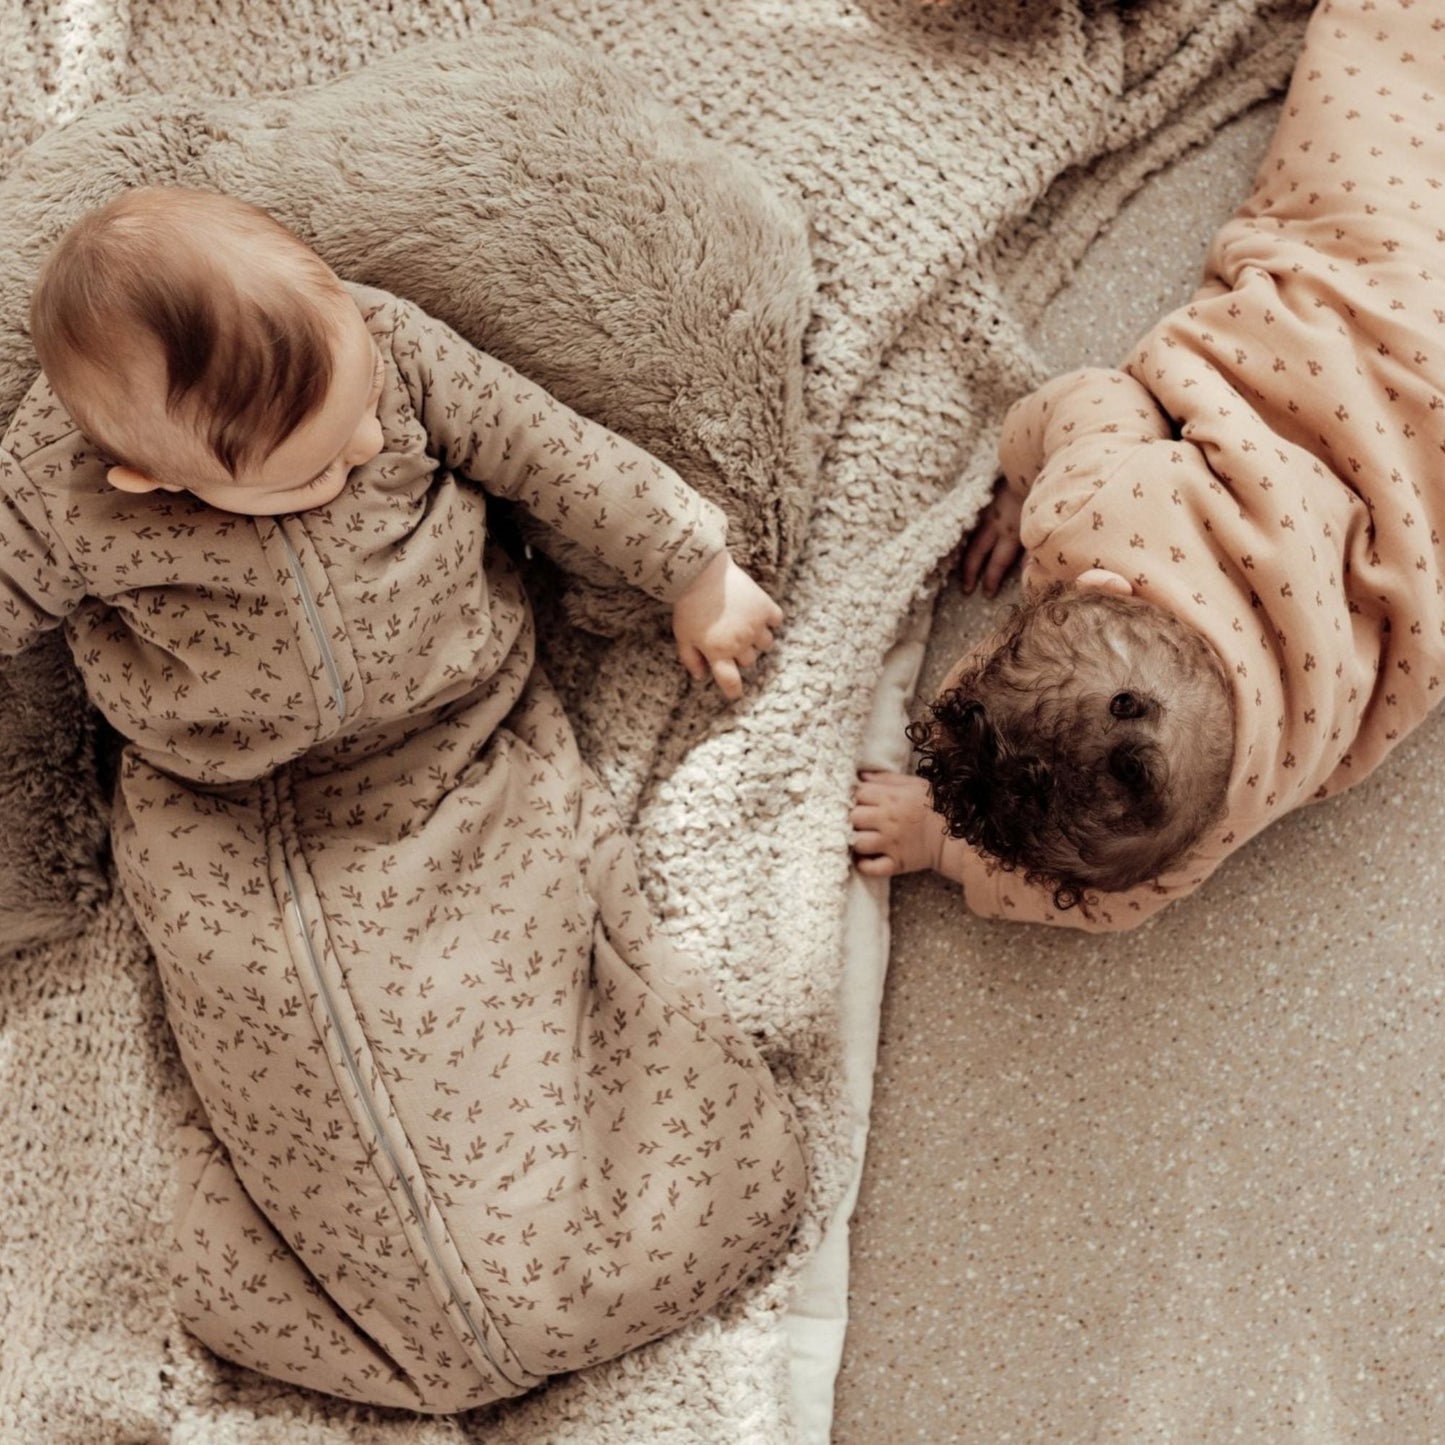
x=1090 y=745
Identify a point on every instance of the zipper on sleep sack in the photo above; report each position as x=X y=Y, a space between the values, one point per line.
x=313 y=617
x=373 y=1122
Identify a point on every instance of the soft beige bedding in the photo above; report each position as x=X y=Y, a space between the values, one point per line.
x=935 y=150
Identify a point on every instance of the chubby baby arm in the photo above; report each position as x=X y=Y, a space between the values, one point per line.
x=895 y=830
x=594 y=487
x=1088 y=416
x=723 y=623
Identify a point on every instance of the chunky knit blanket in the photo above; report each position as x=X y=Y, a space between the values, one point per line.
x=954 y=161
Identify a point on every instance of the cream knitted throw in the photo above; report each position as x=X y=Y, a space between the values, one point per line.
x=938 y=153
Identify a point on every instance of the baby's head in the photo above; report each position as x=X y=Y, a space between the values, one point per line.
x=1087 y=743
x=204 y=348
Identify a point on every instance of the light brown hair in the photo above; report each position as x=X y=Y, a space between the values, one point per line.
x=240 y=311
x=1090 y=746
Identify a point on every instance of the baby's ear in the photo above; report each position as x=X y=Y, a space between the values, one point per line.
x=1100 y=579
x=127 y=479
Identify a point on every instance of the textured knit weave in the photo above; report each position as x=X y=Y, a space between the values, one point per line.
x=921 y=141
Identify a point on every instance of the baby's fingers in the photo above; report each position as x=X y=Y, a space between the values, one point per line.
x=729 y=680
x=1005 y=552
x=692 y=660
x=880 y=866
x=872 y=788
x=864 y=814
x=980 y=545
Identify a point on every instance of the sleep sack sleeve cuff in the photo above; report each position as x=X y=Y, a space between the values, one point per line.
x=1093 y=405
x=685 y=551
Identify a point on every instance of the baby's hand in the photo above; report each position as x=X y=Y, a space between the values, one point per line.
x=895 y=829
x=994 y=546
x=724 y=621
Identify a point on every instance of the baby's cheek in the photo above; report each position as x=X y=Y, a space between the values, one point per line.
x=372 y=439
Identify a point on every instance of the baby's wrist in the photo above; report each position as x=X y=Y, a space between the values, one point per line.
x=715 y=566
x=948 y=855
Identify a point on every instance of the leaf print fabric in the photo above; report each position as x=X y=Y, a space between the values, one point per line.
x=467 y=1118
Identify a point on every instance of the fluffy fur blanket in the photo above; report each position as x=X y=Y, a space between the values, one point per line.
x=939 y=154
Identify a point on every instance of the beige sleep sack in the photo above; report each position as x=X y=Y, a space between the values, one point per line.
x=469 y=1120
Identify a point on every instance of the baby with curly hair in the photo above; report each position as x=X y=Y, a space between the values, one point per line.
x=1234 y=574
x=1090 y=746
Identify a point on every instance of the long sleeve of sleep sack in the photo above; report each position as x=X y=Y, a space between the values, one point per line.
x=39 y=587
x=1076 y=422
x=991 y=891
x=512 y=437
